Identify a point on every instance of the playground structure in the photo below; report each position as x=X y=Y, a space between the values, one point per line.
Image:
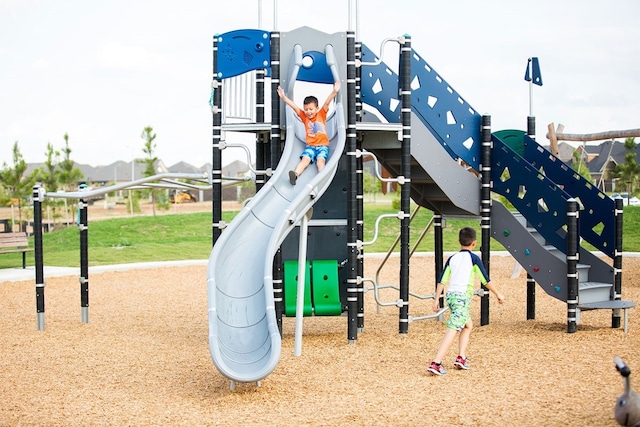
x=442 y=153
x=444 y=156
x=171 y=181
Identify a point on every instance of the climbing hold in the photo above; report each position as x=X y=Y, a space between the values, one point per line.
x=506 y=233
x=558 y=288
x=527 y=252
x=536 y=269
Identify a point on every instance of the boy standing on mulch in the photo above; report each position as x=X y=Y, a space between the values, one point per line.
x=460 y=271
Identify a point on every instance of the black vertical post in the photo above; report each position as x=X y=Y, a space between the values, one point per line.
x=531 y=284
x=438 y=244
x=84 y=260
x=531 y=127
x=352 y=195
x=216 y=160
x=38 y=198
x=276 y=139
x=485 y=221
x=360 y=182
x=617 y=262
x=572 y=264
x=531 y=298
x=405 y=195
x=260 y=139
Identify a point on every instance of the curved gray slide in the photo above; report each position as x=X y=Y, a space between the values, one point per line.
x=244 y=340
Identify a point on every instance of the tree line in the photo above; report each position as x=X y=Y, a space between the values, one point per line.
x=58 y=173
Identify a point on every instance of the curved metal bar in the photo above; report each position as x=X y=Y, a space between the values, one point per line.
x=380 y=59
x=366 y=153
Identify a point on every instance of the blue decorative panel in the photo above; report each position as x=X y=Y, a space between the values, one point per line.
x=241 y=51
x=314 y=68
x=448 y=116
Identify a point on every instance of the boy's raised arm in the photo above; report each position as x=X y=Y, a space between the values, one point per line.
x=334 y=92
x=287 y=101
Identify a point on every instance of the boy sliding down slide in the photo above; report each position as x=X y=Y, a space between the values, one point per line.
x=315 y=124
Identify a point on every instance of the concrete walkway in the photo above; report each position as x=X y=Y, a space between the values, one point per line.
x=29 y=273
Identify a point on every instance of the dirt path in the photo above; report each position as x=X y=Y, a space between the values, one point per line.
x=143 y=359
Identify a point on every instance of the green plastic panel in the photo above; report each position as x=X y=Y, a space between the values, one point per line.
x=291 y=288
x=326 y=288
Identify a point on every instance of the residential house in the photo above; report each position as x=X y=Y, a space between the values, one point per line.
x=601 y=160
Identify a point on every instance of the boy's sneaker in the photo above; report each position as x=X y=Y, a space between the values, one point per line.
x=461 y=362
x=436 y=369
x=293 y=177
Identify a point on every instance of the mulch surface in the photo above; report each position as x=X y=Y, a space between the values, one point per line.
x=143 y=359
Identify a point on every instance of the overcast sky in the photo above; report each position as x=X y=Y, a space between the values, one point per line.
x=102 y=71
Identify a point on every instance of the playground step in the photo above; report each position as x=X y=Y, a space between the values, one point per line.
x=583 y=273
x=608 y=305
x=590 y=292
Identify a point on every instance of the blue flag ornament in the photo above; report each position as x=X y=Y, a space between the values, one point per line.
x=533 y=71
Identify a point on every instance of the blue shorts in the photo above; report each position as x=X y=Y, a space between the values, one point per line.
x=315 y=152
x=459 y=306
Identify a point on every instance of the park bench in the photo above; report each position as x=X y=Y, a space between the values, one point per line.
x=15 y=243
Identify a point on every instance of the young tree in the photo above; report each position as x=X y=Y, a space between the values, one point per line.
x=580 y=165
x=149 y=160
x=627 y=172
x=48 y=176
x=69 y=175
x=15 y=182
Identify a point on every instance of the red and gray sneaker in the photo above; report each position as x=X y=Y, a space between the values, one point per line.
x=461 y=362
x=436 y=369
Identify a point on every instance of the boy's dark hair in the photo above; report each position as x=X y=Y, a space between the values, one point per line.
x=466 y=236
x=311 y=100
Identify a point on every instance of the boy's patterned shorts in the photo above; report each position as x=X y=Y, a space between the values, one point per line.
x=316 y=152
x=459 y=306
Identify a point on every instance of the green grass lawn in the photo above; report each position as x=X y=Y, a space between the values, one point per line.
x=188 y=236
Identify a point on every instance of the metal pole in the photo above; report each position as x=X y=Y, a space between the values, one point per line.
x=275 y=100
x=276 y=139
x=531 y=96
x=260 y=140
x=260 y=137
x=531 y=284
x=531 y=298
x=360 y=183
x=38 y=198
x=302 y=270
x=216 y=160
x=84 y=260
x=485 y=224
x=405 y=195
x=572 y=264
x=352 y=197
x=438 y=242
x=358 y=19
x=617 y=262
x=275 y=15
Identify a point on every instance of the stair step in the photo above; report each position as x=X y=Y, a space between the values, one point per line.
x=583 y=273
x=589 y=292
